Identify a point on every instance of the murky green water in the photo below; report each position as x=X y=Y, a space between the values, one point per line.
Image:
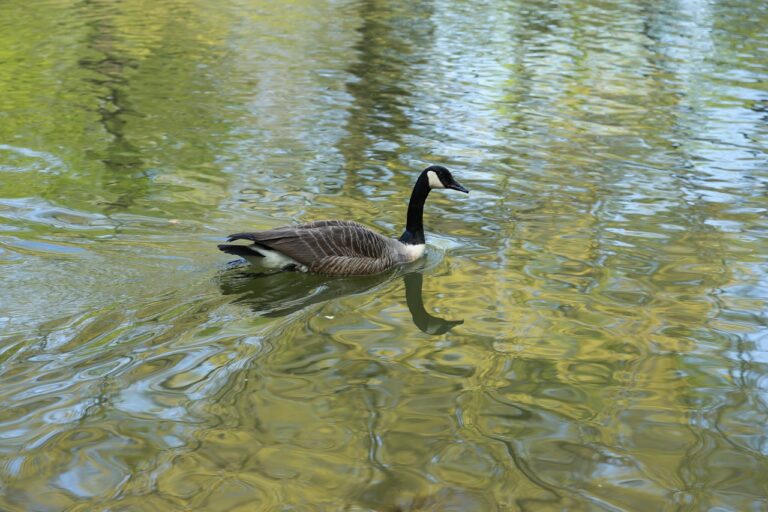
x=609 y=265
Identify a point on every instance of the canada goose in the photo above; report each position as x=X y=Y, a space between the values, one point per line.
x=341 y=247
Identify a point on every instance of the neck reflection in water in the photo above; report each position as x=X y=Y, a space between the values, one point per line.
x=283 y=293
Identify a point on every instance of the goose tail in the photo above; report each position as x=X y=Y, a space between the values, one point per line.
x=240 y=250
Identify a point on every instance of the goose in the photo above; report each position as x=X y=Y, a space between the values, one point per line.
x=341 y=247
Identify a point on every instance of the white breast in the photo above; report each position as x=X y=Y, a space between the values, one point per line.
x=414 y=252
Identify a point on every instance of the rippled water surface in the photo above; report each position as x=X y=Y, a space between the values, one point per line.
x=587 y=332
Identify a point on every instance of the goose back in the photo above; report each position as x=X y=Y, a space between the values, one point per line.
x=333 y=247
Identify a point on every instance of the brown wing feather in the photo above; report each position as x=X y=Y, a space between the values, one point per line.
x=350 y=266
x=326 y=223
x=330 y=247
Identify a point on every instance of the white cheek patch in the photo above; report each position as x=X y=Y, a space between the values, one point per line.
x=434 y=181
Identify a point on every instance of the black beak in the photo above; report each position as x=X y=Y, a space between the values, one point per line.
x=455 y=186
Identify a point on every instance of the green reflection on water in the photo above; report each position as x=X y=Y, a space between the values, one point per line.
x=609 y=265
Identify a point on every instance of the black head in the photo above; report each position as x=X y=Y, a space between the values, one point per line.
x=440 y=177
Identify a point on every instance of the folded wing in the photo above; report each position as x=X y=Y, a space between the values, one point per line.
x=330 y=247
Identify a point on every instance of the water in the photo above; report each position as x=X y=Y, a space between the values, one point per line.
x=609 y=265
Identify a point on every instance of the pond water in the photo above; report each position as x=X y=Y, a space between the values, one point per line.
x=588 y=331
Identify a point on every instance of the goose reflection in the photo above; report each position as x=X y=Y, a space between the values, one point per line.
x=421 y=318
x=283 y=293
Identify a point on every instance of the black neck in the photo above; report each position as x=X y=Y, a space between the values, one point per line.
x=414 y=227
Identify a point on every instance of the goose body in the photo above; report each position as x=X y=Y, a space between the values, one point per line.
x=341 y=247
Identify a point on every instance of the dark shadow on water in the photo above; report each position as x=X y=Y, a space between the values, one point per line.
x=283 y=293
